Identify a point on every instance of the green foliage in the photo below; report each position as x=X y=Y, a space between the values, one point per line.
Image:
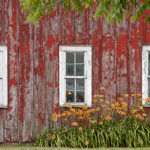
x=114 y=10
x=114 y=133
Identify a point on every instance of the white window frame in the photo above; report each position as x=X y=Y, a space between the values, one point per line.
x=88 y=73
x=4 y=77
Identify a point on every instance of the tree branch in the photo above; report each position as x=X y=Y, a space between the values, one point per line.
x=46 y=7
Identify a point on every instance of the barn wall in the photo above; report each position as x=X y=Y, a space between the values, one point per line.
x=33 y=62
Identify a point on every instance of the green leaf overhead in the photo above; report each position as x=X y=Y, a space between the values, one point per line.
x=114 y=10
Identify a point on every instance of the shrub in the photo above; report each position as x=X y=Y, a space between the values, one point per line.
x=105 y=124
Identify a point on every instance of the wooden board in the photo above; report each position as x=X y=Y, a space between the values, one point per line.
x=33 y=62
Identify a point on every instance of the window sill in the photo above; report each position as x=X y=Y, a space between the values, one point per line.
x=146 y=105
x=3 y=107
x=75 y=105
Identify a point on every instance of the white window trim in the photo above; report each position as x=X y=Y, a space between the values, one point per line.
x=4 y=101
x=88 y=71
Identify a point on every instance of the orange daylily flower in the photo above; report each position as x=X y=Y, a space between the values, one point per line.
x=86 y=142
x=80 y=128
x=102 y=88
x=101 y=122
x=53 y=137
x=74 y=123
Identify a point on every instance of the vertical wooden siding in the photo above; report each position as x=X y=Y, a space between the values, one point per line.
x=33 y=62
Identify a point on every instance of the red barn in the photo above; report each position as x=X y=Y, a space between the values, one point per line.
x=66 y=57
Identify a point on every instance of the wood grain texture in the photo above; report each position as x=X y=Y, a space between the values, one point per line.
x=10 y=30
x=33 y=62
x=1 y=40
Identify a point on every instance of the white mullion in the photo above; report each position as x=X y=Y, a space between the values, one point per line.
x=85 y=59
x=80 y=63
x=75 y=75
x=79 y=90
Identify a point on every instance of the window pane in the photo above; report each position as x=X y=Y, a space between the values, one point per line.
x=69 y=57
x=70 y=84
x=80 y=69
x=69 y=96
x=148 y=63
x=80 y=57
x=80 y=96
x=69 y=69
x=80 y=84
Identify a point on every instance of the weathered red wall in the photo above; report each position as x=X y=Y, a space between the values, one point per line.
x=33 y=62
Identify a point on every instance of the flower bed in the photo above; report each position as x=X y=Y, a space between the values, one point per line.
x=105 y=124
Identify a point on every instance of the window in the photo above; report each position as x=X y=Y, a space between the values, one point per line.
x=75 y=75
x=146 y=73
x=3 y=77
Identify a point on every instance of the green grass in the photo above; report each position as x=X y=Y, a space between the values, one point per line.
x=44 y=148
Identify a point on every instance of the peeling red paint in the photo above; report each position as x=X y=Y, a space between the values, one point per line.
x=42 y=68
x=9 y=108
x=41 y=117
x=50 y=57
x=33 y=58
x=50 y=42
x=22 y=105
x=13 y=82
x=50 y=84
